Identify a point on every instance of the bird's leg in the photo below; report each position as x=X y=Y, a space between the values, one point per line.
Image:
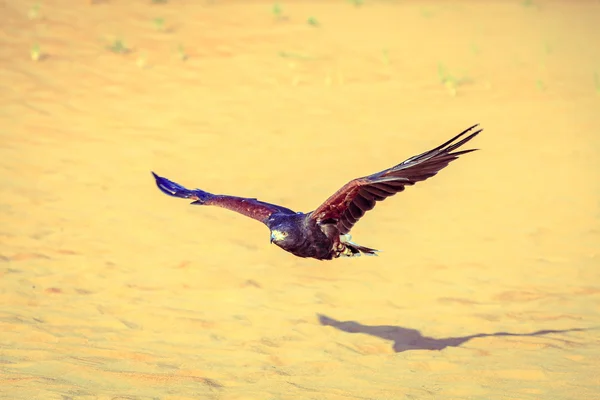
x=341 y=249
x=338 y=246
x=352 y=249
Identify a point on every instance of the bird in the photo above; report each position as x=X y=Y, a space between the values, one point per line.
x=323 y=233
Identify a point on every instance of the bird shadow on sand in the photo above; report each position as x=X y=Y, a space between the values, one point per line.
x=405 y=339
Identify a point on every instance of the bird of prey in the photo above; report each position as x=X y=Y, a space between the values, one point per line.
x=324 y=233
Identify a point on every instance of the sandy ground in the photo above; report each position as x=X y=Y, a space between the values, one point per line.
x=488 y=286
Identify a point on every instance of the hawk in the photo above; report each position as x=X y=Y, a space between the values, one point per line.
x=324 y=233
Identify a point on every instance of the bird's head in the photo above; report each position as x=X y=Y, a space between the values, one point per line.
x=286 y=231
x=284 y=237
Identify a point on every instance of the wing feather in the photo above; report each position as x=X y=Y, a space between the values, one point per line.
x=355 y=211
x=250 y=207
x=364 y=203
x=353 y=200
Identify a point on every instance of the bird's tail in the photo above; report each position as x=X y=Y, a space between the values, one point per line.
x=171 y=188
x=356 y=250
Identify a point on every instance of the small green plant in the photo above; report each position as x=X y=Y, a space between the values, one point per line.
x=35 y=53
x=159 y=1
x=356 y=3
x=34 y=12
x=159 y=24
x=475 y=49
x=530 y=4
x=118 y=46
x=312 y=21
x=298 y=56
x=426 y=12
x=385 y=56
x=277 y=11
x=540 y=85
x=181 y=53
x=448 y=80
x=597 y=82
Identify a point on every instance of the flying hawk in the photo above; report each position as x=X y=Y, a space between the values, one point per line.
x=323 y=233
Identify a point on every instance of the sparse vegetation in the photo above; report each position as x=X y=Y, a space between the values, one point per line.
x=277 y=11
x=356 y=3
x=530 y=4
x=34 y=11
x=118 y=46
x=475 y=49
x=159 y=1
x=159 y=24
x=426 y=12
x=181 y=53
x=385 y=56
x=540 y=85
x=35 y=53
x=298 y=56
x=449 y=81
x=312 y=21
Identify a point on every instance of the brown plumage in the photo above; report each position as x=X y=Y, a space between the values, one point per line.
x=323 y=233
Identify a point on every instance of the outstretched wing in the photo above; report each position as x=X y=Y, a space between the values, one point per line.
x=358 y=196
x=252 y=208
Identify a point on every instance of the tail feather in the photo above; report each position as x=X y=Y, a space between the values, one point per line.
x=358 y=249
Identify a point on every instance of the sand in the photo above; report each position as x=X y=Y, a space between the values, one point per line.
x=488 y=286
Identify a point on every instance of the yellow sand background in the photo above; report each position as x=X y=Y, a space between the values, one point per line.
x=111 y=290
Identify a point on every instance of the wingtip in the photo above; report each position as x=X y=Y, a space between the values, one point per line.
x=471 y=128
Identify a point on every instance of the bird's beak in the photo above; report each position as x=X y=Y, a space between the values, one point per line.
x=276 y=236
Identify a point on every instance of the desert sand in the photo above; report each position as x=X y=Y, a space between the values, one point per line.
x=488 y=284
